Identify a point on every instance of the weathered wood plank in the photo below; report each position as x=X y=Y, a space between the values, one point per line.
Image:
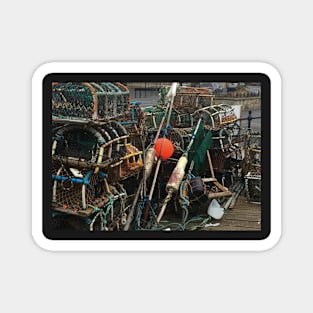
x=244 y=216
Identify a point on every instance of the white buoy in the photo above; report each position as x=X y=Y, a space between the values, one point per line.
x=215 y=210
x=149 y=161
x=177 y=174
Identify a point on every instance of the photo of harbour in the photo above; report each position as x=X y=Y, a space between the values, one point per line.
x=160 y=156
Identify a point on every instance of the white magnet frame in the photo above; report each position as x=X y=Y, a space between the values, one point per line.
x=156 y=245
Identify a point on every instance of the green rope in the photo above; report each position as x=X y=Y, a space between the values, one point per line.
x=100 y=213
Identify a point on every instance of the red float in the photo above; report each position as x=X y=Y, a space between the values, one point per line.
x=164 y=148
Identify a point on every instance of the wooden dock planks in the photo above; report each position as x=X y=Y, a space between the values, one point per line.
x=243 y=217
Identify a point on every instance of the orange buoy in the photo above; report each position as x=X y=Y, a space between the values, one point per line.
x=164 y=148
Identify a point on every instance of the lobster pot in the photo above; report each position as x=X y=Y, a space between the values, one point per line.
x=77 y=141
x=113 y=99
x=75 y=191
x=126 y=166
x=253 y=139
x=188 y=99
x=89 y=100
x=222 y=139
x=254 y=159
x=180 y=137
x=216 y=116
x=253 y=187
x=218 y=159
x=93 y=144
x=253 y=152
x=84 y=158
x=72 y=100
x=154 y=115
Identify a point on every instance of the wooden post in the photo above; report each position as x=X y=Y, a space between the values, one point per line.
x=210 y=163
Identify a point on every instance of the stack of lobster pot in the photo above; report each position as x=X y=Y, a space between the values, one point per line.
x=92 y=152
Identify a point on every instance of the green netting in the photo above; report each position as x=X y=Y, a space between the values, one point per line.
x=198 y=151
x=73 y=93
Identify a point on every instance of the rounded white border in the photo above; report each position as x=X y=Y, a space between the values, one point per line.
x=156 y=67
